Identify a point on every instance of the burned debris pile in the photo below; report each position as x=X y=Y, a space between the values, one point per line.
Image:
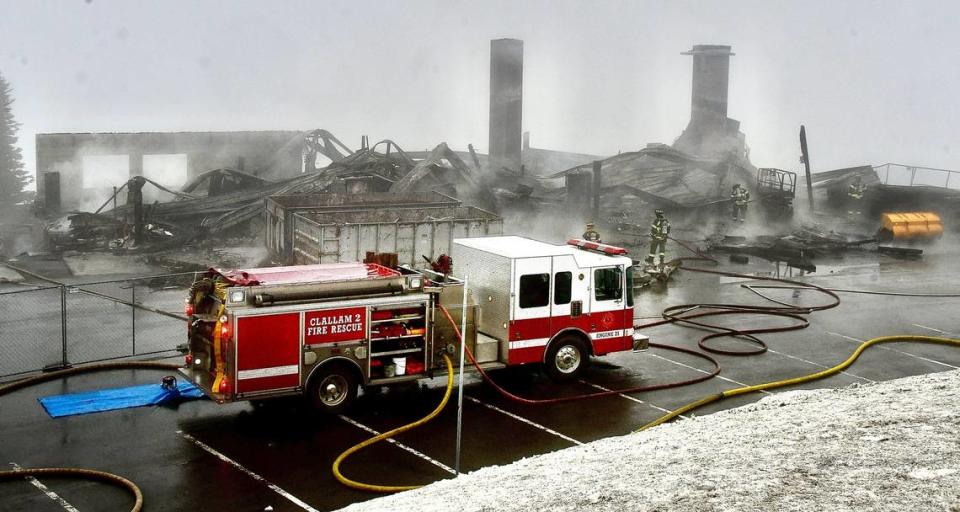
x=224 y=203
x=309 y=197
x=666 y=177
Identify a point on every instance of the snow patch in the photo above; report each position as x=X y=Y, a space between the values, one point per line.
x=887 y=446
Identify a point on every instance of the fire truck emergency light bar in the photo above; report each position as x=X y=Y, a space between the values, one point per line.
x=596 y=246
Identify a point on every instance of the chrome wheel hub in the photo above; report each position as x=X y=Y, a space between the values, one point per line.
x=568 y=359
x=333 y=390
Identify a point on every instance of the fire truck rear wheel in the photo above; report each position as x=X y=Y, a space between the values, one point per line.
x=566 y=359
x=332 y=388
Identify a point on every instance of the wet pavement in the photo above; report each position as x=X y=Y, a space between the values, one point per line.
x=199 y=455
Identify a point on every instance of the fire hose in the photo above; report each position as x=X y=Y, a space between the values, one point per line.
x=84 y=474
x=798 y=380
x=387 y=435
x=684 y=314
x=81 y=473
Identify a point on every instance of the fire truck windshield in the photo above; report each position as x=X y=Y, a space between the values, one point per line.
x=630 y=287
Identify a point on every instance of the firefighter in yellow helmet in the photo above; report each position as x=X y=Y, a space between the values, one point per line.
x=855 y=196
x=591 y=234
x=659 y=231
x=740 y=197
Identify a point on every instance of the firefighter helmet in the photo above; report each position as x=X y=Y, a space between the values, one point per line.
x=658 y=212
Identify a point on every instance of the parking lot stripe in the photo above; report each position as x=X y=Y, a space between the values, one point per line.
x=46 y=490
x=934 y=329
x=856 y=340
x=523 y=420
x=818 y=365
x=631 y=398
x=400 y=445
x=721 y=377
x=273 y=487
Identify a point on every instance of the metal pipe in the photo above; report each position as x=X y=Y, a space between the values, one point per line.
x=806 y=164
x=133 y=318
x=63 y=324
x=264 y=295
x=596 y=190
x=463 y=350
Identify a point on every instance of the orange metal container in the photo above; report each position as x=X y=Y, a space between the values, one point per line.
x=912 y=225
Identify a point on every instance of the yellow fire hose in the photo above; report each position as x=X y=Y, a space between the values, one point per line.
x=387 y=435
x=798 y=380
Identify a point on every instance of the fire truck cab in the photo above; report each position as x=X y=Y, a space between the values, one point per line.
x=550 y=304
x=325 y=330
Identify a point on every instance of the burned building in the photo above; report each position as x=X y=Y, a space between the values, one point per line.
x=710 y=133
x=697 y=171
x=79 y=170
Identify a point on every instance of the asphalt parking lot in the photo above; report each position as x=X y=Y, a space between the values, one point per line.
x=199 y=455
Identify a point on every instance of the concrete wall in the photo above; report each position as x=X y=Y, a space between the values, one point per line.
x=271 y=154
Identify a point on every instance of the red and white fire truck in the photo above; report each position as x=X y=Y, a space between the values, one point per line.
x=324 y=330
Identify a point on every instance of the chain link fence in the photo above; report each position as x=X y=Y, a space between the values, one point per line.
x=51 y=327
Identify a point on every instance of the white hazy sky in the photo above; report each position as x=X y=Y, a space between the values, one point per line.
x=874 y=81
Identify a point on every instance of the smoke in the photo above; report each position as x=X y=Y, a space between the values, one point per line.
x=544 y=224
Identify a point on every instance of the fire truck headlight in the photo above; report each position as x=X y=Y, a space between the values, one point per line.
x=237 y=296
x=415 y=282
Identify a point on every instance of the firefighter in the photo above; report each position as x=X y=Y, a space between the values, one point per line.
x=855 y=195
x=740 y=197
x=658 y=236
x=591 y=234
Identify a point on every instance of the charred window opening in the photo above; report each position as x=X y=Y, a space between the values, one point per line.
x=534 y=290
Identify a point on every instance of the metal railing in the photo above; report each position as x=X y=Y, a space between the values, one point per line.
x=913 y=176
x=59 y=325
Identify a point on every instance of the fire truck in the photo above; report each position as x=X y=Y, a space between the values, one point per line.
x=325 y=330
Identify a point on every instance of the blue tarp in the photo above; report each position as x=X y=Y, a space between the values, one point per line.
x=117 y=398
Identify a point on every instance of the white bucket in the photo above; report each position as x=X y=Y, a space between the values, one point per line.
x=401 y=364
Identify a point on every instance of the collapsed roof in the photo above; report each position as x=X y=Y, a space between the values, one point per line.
x=669 y=177
x=233 y=198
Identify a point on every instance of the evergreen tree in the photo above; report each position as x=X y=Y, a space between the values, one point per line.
x=13 y=178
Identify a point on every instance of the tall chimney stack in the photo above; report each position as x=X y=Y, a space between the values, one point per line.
x=506 y=103
x=711 y=74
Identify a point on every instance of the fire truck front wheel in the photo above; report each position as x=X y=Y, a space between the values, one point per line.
x=332 y=388
x=566 y=358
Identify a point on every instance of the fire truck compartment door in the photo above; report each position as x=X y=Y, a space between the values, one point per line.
x=570 y=284
x=608 y=316
x=531 y=299
x=268 y=352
